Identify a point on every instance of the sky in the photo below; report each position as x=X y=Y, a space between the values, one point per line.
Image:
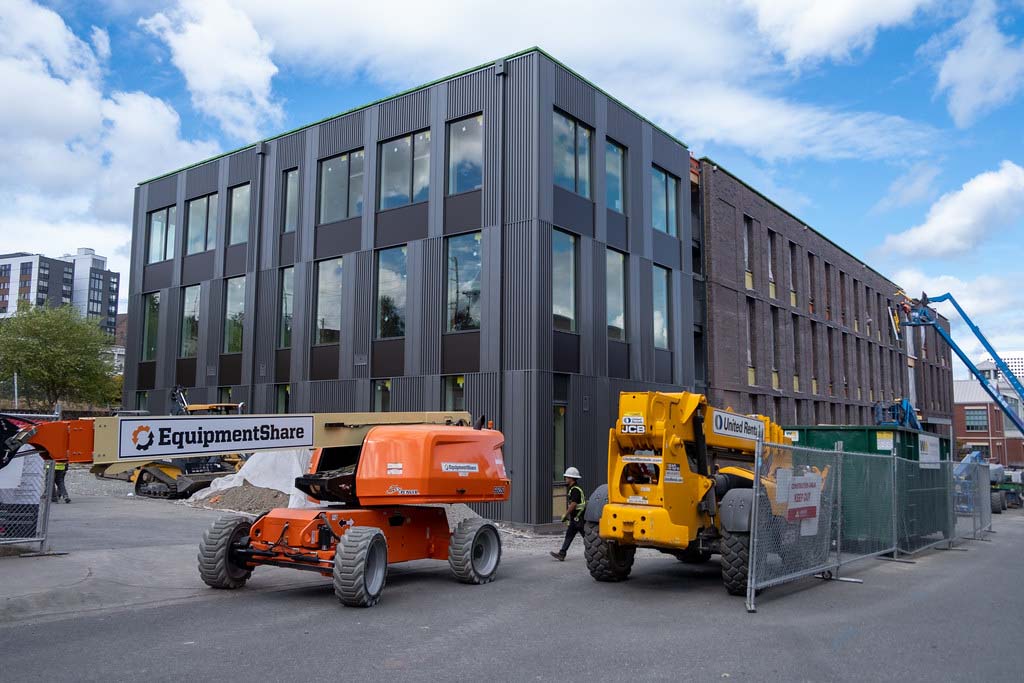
x=894 y=127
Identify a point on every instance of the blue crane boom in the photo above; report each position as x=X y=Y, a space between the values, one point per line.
x=920 y=315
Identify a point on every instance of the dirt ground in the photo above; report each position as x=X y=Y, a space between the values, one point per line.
x=245 y=498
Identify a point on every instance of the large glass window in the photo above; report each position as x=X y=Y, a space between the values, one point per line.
x=463 y=305
x=238 y=214
x=466 y=154
x=202 y=224
x=615 y=165
x=615 y=279
x=664 y=200
x=976 y=419
x=341 y=187
x=161 y=234
x=284 y=326
x=189 y=322
x=455 y=392
x=405 y=170
x=234 y=314
x=291 y=201
x=150 y=325
x=563 y=280
x=328 y=302
x=571 y=154
x=660 y=293
x=391 y=292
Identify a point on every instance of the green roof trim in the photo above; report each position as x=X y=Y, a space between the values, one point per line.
x=521 y=53
x=792 y=215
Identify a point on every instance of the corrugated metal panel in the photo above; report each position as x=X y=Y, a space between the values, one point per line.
x=528 y=447
x=290 y=150
x=263 y=399
x=362 y=319
x=521 y=140
x=520 y=291
x=477 y=92
x=243 y=167
x=161 y=193
x=334 y=396
x=599 y=304
x=571 y=94
x=266 y=313
x=623 y=125
x=132 y=345
x=431 y=301
x=588 y=427
x=201 y=179
x=341 y=134
x=468 y=94
x=404 y=115
x=407 y=394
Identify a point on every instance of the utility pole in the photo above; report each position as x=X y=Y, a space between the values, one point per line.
x=15 y=391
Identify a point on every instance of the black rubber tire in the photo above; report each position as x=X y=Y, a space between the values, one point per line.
x=359 y=575
x=997 y=507
x=216 y=568
x=735 y=549
x=474 y=551
x=693 y=555
x=1002 y=500
x=606 y=560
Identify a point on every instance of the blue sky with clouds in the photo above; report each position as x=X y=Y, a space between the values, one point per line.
x=893 y=127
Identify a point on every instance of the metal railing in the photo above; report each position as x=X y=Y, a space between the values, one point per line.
x=26 y=492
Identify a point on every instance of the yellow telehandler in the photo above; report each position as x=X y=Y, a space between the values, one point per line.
x=681 y=479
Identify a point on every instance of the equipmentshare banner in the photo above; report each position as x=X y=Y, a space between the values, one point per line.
x=164 y=436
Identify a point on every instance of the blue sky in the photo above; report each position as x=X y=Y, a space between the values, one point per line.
x=893 y=127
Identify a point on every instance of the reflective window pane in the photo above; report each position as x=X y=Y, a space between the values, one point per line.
x=157 y=234
x=238 y=230
x=284 y=326
x=455 y=392
x=463 y=310
x=211 y=221
x=672 y=197
x=150 y=325
x=564 y=152
x=172 y=222
x=381 y=395
x=189 y=322
x=234 y=314
x=391 y=292
x=583 y=161
x=328 y=302
x=661 y=307
x=563 y=276
x=333 y=189
x=659 y=212
x=291 y=200
x=421 y=167
x=615 y=278
x=196 y=226
x=614 y=160
x=395 y=169
x=466 y=155
x=356 y=162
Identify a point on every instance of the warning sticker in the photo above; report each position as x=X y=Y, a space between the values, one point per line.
x=804 y=499
x=463 y=468
x=395 y=468
x=637 y=500
x=929 y=452
x=883 y=441
x=672 y=473
x=646 y=459
x=633 y=423
x=793 y=435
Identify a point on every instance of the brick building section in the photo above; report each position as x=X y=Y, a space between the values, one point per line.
x=996 y=441
x=821 y=345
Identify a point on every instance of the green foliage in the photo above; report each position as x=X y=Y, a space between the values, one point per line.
x=58 y=355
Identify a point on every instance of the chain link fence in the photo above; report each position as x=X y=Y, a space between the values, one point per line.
x=26 y=486
x=972 y=500
x=924 y=504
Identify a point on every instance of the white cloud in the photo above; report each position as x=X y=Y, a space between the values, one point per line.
x=959 y=221
x=985 y=70
x=810 y=29
x=916 y=185
x=101 y=43
x=225 y=62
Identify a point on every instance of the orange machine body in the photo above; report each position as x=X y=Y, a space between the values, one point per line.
x=65 y=440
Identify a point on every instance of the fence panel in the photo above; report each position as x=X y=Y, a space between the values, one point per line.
x=26 y=485
x=983 y=486
x=924 y=501
x=868 y=500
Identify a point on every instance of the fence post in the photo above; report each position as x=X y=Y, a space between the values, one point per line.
x=838 y=446
x=44 y=518
x=754 y=523
x=895 y=507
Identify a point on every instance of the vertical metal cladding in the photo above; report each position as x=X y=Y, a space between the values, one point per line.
x=526 y=424
x=342 y=134
x=570 y=93
x=201 y=180
x=432 y=296
x=243 y=167
x=335 y=396
x=162 y=192
x=589 y=400
x=521 y=282
x=290 y=150
x=598 y=346
x=362 y=267
x=480 y=91
x=521 y=139
x=407 y=394
x=405 y=114
x=266 y=314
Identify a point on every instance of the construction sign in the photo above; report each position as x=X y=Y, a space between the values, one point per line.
x=803 y=502
x=162 y=436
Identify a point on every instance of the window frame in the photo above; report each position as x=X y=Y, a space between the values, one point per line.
x=144 y=355
x=376 y=286
x=624 y=258
x=412 y=168
x=229 y=230
x=348 y=213
x=285 y=174
x=622 y=174
x=576 y=124
x=671 y=198
x=448 y=328
x=167 y=243
x=655 y=268
x=181 y=328
x=286 y=272
x=448 y=154
x=316 y=304
x=227 y=290
x=574 y=327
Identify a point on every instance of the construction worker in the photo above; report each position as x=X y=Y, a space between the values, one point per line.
x=576 y=503
x=60 y=470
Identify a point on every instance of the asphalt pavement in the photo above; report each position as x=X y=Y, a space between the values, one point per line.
x=126 y=603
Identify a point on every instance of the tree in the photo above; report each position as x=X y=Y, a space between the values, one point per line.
x=57 y=354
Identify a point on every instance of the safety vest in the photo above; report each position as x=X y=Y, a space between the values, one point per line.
x=60 y=465
x=582 y=504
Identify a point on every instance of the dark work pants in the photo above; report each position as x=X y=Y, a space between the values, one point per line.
x=59 y=490
x=575 y=527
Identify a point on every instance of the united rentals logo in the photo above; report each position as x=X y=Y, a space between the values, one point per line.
x=137 y=437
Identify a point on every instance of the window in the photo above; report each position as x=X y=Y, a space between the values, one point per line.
x=664 y=198
x=797 y=355
x=771 y=257
x=189 y=322
x=463 y=304
x=615 y=280
x=614 y=165
x=291 y=201
x=405 y=170
x=161 y=234
x=748 y=244
x=751 y=340
x=976 y=419
x=466 y=154
x=234 y=314
x=224 y=395
x=812 y=282
x=284 y=398
x=660 y=295
x=381 y=395
x=455 y=392
x=150 y=325
x=391 y=291
x=328 y=302
x=560 y=438
x=341 y=187
x=572 y=155
x=238 y=214
x=284 y=327
x=202 y=224
x=142 y=400
x=563 y=280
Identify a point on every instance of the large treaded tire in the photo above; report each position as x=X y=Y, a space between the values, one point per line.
x=360 y=566
x=474 y=551
x=997 y=505
x=606 y=560
x=216 y=567
x=735 y=550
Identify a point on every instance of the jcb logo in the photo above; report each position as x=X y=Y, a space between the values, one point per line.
x=633 y=429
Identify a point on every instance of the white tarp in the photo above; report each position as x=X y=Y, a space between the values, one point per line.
x=270 y=470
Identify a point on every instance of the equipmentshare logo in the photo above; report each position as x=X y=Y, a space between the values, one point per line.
x=179 y=438
x=139 y=445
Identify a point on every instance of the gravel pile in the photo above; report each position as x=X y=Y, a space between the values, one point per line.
x=245 y=498
x=80 y=482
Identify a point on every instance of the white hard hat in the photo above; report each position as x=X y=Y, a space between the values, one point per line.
x=573 y=473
